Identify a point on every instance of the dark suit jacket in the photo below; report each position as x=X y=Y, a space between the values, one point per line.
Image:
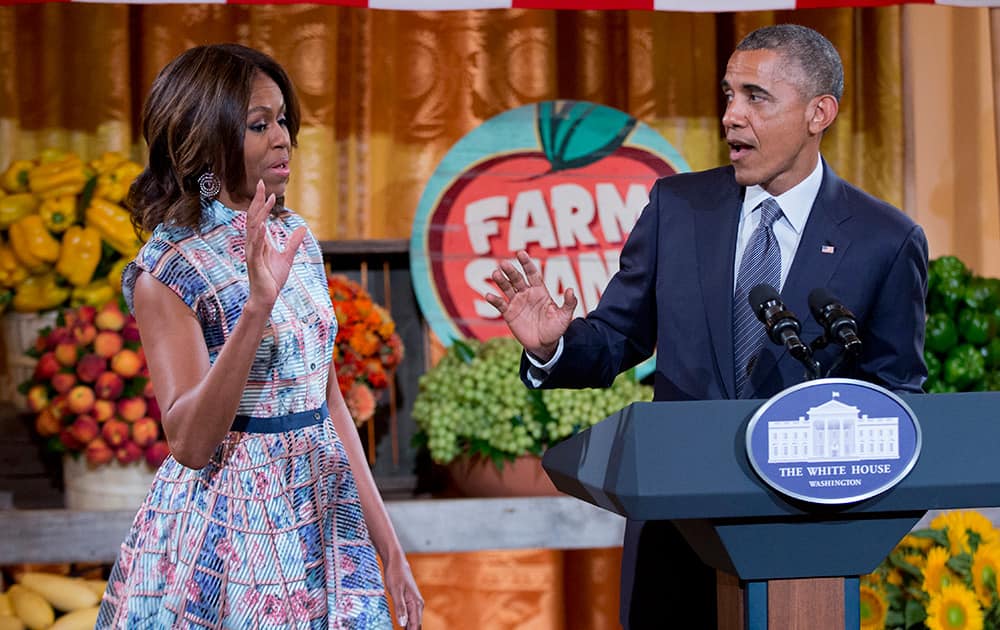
x=674 y=294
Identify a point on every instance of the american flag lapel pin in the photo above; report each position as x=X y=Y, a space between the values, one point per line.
x=827 y=249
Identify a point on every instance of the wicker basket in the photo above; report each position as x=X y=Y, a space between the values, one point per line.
x=112 y=486
x=20 y=330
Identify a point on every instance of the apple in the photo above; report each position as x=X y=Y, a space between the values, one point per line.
x=80 y=399
x=156 y=453
x=131 y=409
x=103 y=410
x=59 y=335
x=47 y=366
x=126 y=363
x=62 y=382
x=84 y=429
x=109 y=386
x=114 y=432
x=110 y=317
x=107 y=343
x=98 y=452
x=67 y=353
x=37 y=397
x=128 y=452
x=147 y=389
x=90 y=367
x=145 y=431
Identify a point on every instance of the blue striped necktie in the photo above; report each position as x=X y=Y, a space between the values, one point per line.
x=761 y=263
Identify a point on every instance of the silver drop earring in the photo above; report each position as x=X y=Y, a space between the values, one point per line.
x=208 y=185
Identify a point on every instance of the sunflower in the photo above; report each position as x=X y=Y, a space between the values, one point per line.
x=915 y=559
x=985 y=569
x=966 y=529
x=919 y=543
x=954 y=608
x=937 y=575
x=874 y=608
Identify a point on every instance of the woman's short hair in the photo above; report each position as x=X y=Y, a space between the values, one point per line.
x=194 y=121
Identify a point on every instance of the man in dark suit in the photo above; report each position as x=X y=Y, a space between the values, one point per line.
x=680 y=284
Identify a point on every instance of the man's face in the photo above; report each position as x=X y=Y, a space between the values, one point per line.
x=768 y=121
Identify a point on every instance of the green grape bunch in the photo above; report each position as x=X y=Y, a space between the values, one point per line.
x=474 y=403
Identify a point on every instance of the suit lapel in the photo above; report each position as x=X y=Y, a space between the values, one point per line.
x=820 y=251
x=715 y=222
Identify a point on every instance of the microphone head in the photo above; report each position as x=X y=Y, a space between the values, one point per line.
x=761 y=295
x=819 y=299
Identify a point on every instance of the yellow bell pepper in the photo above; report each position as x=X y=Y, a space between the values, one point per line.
x=107 y=162
x=115 y=274
x=39 y=293
x=58 y=213
x=52 y=154
x=12 y=272
x=79 y=255
x=66 y=176
x=17 y=206
x=15 y=178
x=114 y=185
x=97 y=293
x=33 y=244
x=115 y=225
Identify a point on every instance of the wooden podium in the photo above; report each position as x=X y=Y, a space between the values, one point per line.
x=784 y=564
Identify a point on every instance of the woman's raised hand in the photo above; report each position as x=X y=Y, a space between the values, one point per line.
x=529 y=311
x=267 y=268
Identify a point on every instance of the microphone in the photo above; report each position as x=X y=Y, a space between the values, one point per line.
x=837 y=320
x=781 y=324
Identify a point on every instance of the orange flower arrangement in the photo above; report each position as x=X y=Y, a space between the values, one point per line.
x=91 y=391
x=367 y=348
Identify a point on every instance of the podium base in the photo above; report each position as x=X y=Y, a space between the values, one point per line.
x=802 y=604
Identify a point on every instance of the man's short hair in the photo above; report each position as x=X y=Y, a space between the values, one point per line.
x=819 y=62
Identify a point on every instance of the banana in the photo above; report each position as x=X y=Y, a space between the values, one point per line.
x=64 y=593
x=83 y=619
x=34 y=611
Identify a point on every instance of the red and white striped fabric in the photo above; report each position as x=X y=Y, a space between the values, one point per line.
x=707 y=6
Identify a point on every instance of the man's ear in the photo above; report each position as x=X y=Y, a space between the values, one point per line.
x=824 y=111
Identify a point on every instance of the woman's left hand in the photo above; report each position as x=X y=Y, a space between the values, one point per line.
x=406 y=598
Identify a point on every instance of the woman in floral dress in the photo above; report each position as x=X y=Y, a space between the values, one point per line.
x=266 y=514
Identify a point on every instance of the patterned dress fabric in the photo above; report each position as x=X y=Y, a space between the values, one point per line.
x=270 y=534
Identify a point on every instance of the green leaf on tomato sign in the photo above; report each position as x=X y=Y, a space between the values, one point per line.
x=575 y=134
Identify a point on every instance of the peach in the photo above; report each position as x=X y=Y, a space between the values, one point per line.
x=58 y=406
x=110 y=317
x=108 y=343
x=109 y=386
x=156 y=453
x=128 y=452
x=37 y=398
x=69 y=441
x=84 y=333
x=131 y=331
x=98 y=452
x=67 y=353
x=62 y=382
x=131 y=409
x=114 y=432
x=126 y=363
x=153 y=408
x=80 y=399
x=86 y=313
x=59 y=335
x=84 y=429
x=145 y=431
x=103 y=410
x=46 y=367
x=47 y=423
x=147 y=389
x=90 y=367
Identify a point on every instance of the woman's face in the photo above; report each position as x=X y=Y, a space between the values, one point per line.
x=266 y=145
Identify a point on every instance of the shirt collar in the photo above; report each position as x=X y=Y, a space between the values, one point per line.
x=795 y=202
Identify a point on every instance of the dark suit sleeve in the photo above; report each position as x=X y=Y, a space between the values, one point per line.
x=893 y=333
x=621 y=331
